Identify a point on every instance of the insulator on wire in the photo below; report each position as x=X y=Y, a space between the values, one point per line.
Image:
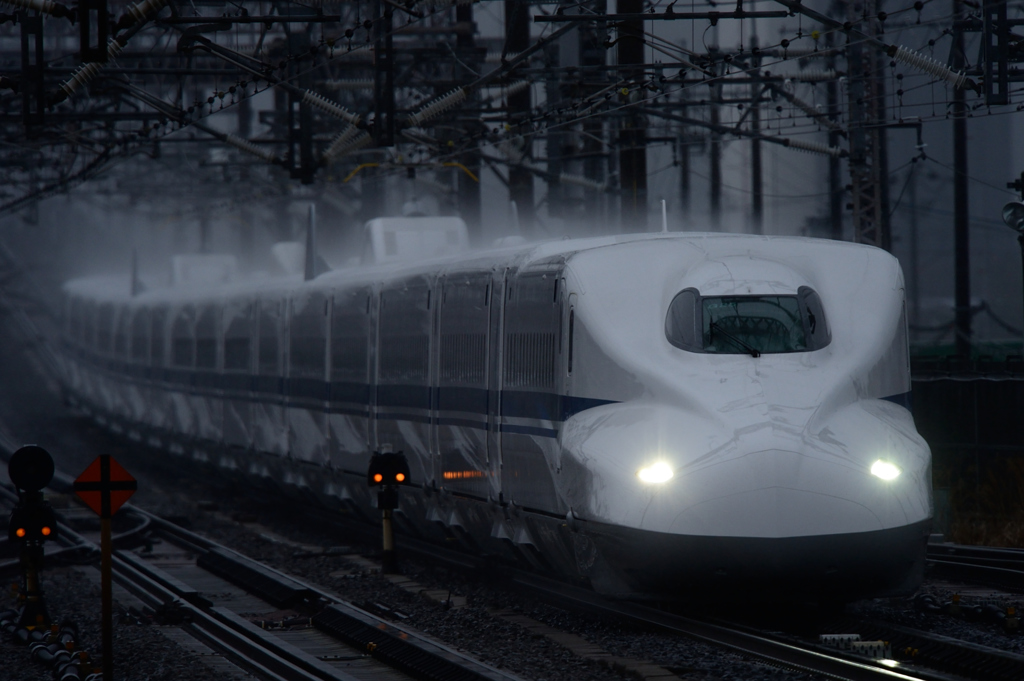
x=580 y=181
x=358 y=141
x=930 y=66
x=814 y=113
x=86 y=72
x=140 y=11
x=513 y=89
x=438 y=106
x=249 y=147
x=814 y=148
x=341 y=140
x=327 y=106
x=512 y=151
x=43 y=6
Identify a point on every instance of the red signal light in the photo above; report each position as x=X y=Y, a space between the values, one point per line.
x=20 y=532
x=378 y=477
x=46 y=531
x=400 y=477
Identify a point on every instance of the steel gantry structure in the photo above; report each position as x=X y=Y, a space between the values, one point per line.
x=567 y=97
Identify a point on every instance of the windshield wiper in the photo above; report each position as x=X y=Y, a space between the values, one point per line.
x=754 y=352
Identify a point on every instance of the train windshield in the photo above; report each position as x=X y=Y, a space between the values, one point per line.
x=753 y=325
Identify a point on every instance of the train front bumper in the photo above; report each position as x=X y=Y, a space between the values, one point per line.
x=642 y=564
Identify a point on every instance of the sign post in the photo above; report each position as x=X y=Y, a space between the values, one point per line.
x=104 y=487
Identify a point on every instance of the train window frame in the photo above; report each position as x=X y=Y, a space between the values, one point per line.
x=463 y=332
x=400 y=361
x=183 y=318
x=530 y=332
x=348 y=306
x=233 y=339
x=105 y=319
x=269 y=309
x=158 y=337
x=138 y=350
x=122 y=333
x=684 y=322
x=205 y=335
x=312 y=310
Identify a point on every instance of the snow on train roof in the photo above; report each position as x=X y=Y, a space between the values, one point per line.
x=712 y=244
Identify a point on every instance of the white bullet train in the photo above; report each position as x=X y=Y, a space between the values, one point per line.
x=666 y=416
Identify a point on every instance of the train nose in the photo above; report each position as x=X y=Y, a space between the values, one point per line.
x=781 y=493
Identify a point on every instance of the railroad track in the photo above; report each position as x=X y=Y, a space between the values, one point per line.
x=1001 y=568
x=939 y=658
x=325 y=639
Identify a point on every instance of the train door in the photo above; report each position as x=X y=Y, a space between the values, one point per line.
x=531 y=406
x=239 y=331
x=349 y=413
x=307 y=378
x=181 y=371
x=495 y=322
x=270 y=427
x=403 y=384
x=160 y=404
x=462 y=384
x=206 y=398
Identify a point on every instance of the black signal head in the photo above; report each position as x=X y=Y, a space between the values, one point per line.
x=30 y=468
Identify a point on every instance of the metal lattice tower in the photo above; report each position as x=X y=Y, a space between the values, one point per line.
x=869 y=173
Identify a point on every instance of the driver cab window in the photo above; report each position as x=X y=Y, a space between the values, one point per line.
x=749 y=324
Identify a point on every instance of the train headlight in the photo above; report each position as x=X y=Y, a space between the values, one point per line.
x=655 y=473
x=885 y=470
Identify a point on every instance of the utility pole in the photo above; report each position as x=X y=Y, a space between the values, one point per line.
x=684 y=162
x=756 y=178
x=835 y=172
x=961 y=215
x=520 y=180
x=715 y=153
x=869 y=174
x=468 y=188
x=633 y=134
x=594 y=54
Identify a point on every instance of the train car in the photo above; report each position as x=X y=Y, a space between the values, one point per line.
x=665 y=416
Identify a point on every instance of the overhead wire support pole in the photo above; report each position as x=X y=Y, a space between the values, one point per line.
x=633 y=133
x=384 y=78
x=961 y=210
x=517 y=40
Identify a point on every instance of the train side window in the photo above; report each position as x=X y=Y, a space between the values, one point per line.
x=182 y=340
x=405 y=334
x=269 y=351
x=816 y=327
x=157 y=335
x=238 y=340
x=104 y=328
x=464 y=323
x=308 y=337
x=124 y=321
x=531 y=339
x=350 y=336
x=140 y=335
x=206 y=339
x=683 y=322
